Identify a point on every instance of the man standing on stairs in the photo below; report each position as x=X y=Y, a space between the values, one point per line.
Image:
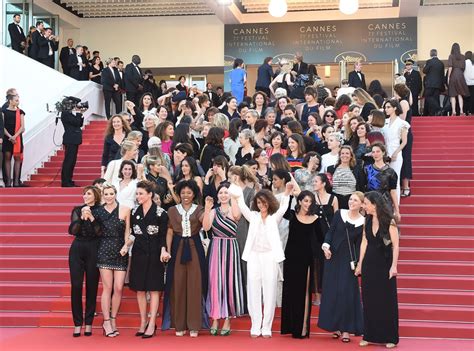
x=134 y=80
x=17 y=36
x=64 y=56
x=72 y=138
x=35 y=38
x=111 y=83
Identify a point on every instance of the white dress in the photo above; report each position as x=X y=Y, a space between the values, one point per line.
x=393 y=133
x=126 y=197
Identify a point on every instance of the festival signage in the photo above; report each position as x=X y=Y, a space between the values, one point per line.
x=375 y=40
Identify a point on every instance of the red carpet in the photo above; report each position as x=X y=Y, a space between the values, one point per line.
x=54 y=339
x=436 y=281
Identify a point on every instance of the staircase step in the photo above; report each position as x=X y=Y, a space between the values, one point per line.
x=420 y=254
x=436 y=209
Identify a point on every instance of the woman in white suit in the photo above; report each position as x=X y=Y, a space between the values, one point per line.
x=263 y=252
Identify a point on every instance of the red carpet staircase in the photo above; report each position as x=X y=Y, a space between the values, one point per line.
x=436 y=281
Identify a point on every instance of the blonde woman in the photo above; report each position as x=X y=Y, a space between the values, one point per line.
x=365 y=101
x=284 y=79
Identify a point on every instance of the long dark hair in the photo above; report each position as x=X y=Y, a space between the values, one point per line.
x=327 y=184
x=193 y=168
x=383 y=212
x=456 y=51
x=301 y=196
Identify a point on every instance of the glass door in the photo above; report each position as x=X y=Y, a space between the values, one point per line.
x=12 y=7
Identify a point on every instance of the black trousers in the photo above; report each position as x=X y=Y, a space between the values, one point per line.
x=49 y=61
x=69 y=162
x=469 y=101
x=83 y=260
x=414 y=106
x=134 y=97
x=116 y=98
x=432 y=106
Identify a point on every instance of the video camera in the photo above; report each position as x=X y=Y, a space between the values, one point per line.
x=69 y=103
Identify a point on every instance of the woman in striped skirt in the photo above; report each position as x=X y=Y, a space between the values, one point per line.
x=225 y=296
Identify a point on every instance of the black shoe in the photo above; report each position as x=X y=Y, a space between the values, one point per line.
x=139 y=333
x=69 y=185
x=148 y=336
x=76 y=335
x=88 y=333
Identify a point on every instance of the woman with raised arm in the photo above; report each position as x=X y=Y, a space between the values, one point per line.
x=263 y=252
x=378 y=264
x=225 y=298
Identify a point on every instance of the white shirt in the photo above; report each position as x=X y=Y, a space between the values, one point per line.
x=345 y=91
x=469 y=73
x=79 y=62
x=392 y=133
x=328 y=160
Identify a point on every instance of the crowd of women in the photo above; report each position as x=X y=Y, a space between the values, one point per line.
x=223 y=209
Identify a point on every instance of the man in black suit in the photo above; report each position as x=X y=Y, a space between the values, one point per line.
x=48 y=45
x=212 y=95
x=64 y=56
x=111 y=83
x=134 y=80
x=72 y=138
x=413 y=82
x=299 y=66
x=17 y=36
x=264 y=76
x=35 y=39
x=434 y=83
x=356 y=77
x=78 y=65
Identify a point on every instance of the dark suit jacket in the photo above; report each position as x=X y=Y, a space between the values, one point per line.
x=434 y=70
x=75 y=72
x=414 y=82
x=132 y=78
x=355 y=81
x=43 y=51
x=16 y=37
x=303 y=68
x=108 y=79
x=64 y=57
x=72 y=128
x=212 y=95
x=264 y=76
x=35 y=38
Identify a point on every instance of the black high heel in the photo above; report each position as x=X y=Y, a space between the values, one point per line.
x=76 y=335
x=88 y=333
x=116 y=332
x=109 y=335
x=148 y=336
x=139 y=333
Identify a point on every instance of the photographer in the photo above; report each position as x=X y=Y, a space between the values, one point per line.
x=72 y=119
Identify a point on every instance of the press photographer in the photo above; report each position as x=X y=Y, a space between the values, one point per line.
x=71 y=109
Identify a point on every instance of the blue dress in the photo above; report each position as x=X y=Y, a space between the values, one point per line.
x=237 y=76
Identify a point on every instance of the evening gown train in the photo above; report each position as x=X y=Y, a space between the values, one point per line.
x=379 y=294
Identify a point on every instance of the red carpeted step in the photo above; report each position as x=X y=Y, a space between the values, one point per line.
x=440 y=169
x=36 y=238
x=436 y=282
x=421 y=254
x=444 y=219
x=35 y=207
x=436 y=209
x=415 y=242
x=40 y=251
x=43 y=199
x=442 y=190
x=437 y=267
x=436 y=297
x=436 y=230
x=29 y=227
x=440 y=200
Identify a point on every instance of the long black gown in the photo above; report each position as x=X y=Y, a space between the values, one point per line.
x=325 y=214
x=341 y=308
x=379 y=294
x=298 y=262
x=146 y=270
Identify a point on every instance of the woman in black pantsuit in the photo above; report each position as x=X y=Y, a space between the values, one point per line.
x=83 y=259
x=378 y=265
x=149 y=224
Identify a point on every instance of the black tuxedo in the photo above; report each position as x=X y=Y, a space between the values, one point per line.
x=17 y=36
x=133 y=78
x=64 y=59
x=75 y=71
x=357 y=82
x=434 y=85
x=413 y=82
x=109 y=78
x=35 y=38
x=212 y=95
x=300 y=68
x=72 y=138
x=43 y=52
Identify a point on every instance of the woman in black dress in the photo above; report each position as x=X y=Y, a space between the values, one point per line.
x=298 y=268
x=95 y=71
x=148 y=223
x=326 y=206
x=14 y=125
x=378 y=264
x=83 y=258
x=341 y=309
x=112 y=259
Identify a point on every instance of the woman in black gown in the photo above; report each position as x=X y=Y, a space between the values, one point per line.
x=378 y=264
x=341 y=309
x=326 y=206
x=149 y=224
x=112 y=259
x=298 y=268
